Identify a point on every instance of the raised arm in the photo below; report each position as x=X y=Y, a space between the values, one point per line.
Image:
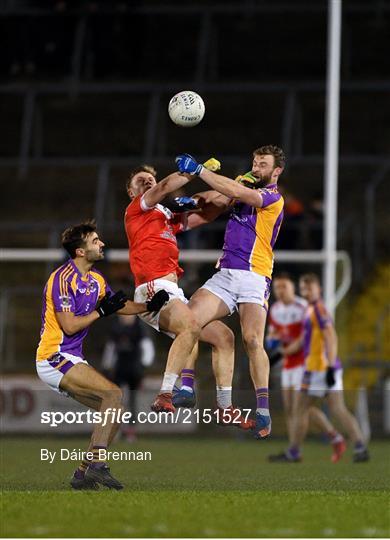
x=228 y=187
x=169 y=184
x=211 y=204
x=224 y=185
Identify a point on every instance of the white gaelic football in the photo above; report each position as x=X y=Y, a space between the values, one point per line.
x=186 y=108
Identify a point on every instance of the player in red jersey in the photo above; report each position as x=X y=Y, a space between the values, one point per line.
x=285 y=325
x=151 y=231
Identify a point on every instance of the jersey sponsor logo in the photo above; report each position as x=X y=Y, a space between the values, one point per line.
x=269 y=190
x=236 y=213
x=55 y=359
x=87 y=290
x=240 y=219
x=91 y=289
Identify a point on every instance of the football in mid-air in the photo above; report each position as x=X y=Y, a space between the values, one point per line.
x=186 y=108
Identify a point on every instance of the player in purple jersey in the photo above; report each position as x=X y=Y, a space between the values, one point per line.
x=243 y=282
x=75 y=296
x=323 y=377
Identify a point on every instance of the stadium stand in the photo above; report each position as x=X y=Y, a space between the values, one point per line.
x=368 y=328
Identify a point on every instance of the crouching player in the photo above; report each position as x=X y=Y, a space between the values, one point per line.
x=323 y=375
x=285 y=324
x=75 y=296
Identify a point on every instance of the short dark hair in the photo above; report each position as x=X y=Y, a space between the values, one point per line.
x=283 y=275
x=271 y=150
x=142 y=168
x=310 y=278
x=74 y=237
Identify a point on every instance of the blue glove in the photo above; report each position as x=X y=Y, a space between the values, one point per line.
x=272 y=343
x=186 y=203
x=273 y=349
x=187 y=164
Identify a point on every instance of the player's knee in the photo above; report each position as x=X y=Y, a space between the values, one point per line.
x=252 y=342
x=113 y=394
x=337 y=409
x=288 y=410
x=187 y=326
x=227 y=337
x=192 y=327
x=335 y=404
x=223 y=339
x=300 y=406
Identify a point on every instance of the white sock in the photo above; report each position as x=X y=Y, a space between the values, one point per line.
x=224 y=396
x=188 y=388
x=168 y=383
x=337 y=438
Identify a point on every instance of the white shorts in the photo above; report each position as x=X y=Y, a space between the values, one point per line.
x=239 y=286
x=292 y=377
x=52 y=370
x=145 y=292
x=314 y=383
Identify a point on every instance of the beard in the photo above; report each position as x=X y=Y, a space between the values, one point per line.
x=93 y=256
x=262 y=181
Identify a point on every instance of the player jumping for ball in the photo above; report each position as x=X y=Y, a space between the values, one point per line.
x=323 y=375
x=151 y=231
x=285 y=326
x=243 y=282
x=75 y=296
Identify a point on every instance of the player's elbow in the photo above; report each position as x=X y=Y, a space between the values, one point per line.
x=69 y=328
x=247 y=196
x=163 y=189
x=334 y=335
x=170 y=182
x=330 y=336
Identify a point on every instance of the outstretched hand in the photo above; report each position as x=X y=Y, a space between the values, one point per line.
x=111 y=303
x=187 y=164
x=157 y=301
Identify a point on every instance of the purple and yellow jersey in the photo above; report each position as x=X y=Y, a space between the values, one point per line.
x=68 y=291
x=316 y=319
x=252 y=232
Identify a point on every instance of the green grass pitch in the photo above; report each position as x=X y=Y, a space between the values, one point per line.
x=197 y=487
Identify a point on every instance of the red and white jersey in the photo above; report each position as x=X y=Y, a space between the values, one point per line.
x=151 y=233
x=286 y=321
